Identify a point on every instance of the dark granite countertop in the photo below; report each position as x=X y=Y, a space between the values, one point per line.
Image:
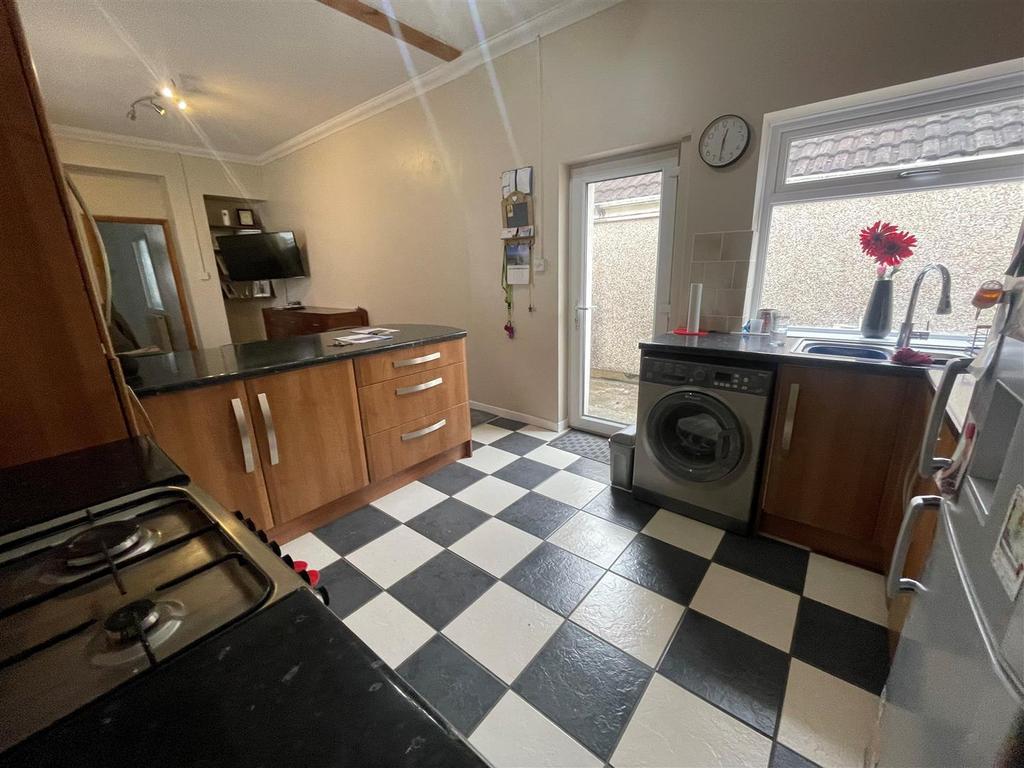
x=44 y=490
x=289 y=686
x=154 y=374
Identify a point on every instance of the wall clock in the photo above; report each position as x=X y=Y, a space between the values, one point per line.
x=724 y=141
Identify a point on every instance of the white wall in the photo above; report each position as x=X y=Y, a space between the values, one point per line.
x=118 y=180
x=400 y=212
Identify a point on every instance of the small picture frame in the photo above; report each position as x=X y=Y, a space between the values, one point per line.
x=246 y=218
x=262 y=289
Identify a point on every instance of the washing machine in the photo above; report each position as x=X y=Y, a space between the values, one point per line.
x=699 y=438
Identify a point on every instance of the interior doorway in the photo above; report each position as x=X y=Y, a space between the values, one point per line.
x=622 y=216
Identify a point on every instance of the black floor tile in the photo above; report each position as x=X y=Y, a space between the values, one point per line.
x=780 y=564
x=784 y=757
x=441 y=588
x=448 y=521
x=477 y=416
x=452 y=478
x=350 y=532
x=738 y=673
x=585 y=685
x=518 y=443
x=590 y=469
x=584 y=444
x=508 y=423
x=620 y=507
x=455 y=685
x=554 y=578
x=662 y=568
x=476 y=445
x=526 y=473
x=346 y=587
x=536 y=514
x=847 y=646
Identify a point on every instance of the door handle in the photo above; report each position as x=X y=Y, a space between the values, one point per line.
x=787 y=425
x=417 y=360
x=928 y=464
x=243 y=434
x=419 y=387
x=895 y=582
x=268 y=425
x=425 y=431
x=577 y=316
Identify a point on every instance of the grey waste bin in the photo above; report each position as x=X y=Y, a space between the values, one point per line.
x=622 y=445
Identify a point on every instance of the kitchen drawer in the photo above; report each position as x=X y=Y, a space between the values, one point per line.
x=415 y=441
x=383 y=366
x=391 y=403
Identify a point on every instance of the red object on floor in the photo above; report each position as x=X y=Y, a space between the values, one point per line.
x=314 y=577
x=299 y=565
x=684 y=332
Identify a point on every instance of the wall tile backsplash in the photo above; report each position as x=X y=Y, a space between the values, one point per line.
x=721 y=261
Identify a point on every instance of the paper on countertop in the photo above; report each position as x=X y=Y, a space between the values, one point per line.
x=358 y=338
x=524 y=180
x=372 y=329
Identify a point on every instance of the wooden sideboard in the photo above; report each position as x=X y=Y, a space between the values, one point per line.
x=281 y=323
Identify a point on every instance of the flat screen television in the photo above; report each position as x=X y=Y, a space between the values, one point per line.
x=261 y=256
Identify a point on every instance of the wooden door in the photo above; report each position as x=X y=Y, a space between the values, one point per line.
x=832 y=440
x=309 y=435
x=202 y=432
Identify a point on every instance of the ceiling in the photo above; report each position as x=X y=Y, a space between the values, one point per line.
x=255 y=74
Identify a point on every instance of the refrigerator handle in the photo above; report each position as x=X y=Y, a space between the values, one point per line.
x=895 y=582
x=928 y=464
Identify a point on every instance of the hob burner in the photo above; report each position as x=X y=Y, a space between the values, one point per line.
x=96 y=544
x=131 y=621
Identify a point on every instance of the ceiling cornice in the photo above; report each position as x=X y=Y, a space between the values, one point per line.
x=542 y=24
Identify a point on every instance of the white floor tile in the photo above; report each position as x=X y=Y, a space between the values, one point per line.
x=491 y=494
x=597 y=540
x=515 y=735
x=488 y=433
x=638 y=621
x=391 y=630
x=489 y=459
x=495 y=546
x=571 y=489
x=684 y=532
x=847 y=588
x=750 y=605
x=397 y=553
x=409 y=500
x=826 y=719
x=553 y=457
x=672 y=727
x=503 y=630
x=539 y=432
x=309 y=548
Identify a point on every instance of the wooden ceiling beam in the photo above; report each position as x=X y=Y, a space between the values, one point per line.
x=379 y=20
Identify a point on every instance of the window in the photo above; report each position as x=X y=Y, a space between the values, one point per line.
x=946 y=164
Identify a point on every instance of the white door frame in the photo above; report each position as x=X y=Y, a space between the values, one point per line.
x=665 y=160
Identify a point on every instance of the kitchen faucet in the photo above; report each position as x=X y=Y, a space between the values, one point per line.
x=945 y=307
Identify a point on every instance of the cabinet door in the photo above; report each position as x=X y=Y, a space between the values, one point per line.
x=832 y=440
x=208 y=432
x=309 y=435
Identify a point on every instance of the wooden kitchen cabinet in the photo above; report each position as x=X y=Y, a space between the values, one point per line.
x=309 y=436
x=207 y=432
x=841 y=444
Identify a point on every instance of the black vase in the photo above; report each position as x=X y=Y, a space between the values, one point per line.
x=877 y=320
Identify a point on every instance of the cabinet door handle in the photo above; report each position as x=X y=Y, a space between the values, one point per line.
x=243 y=434
x=894 y=580
x=268 y=424
x=787 y=425
x=424 y=431
x=928 y=463
x=417 y=360
x=419 y=387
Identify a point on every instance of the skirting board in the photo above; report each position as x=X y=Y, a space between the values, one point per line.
x=554 y=426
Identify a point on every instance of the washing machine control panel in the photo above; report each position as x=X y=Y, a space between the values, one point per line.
x=661 y=370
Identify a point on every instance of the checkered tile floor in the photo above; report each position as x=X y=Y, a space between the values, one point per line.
x=556 y=622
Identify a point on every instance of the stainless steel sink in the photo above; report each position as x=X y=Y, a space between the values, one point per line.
x=867 y=350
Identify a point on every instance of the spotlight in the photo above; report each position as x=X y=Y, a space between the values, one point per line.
x=167 y=92
x=182 y=105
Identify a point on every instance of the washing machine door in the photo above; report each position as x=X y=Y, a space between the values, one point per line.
x=694 y=436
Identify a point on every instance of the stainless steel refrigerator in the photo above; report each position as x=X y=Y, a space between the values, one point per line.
x=956 y=685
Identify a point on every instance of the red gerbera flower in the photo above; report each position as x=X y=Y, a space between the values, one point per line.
x=872 y=238
x=886 y=244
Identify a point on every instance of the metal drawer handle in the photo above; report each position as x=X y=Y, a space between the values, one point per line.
x=787 y=427
x=243 y=434
x=419 y=387
x=895 y=582
x=417 y=360
x=928 y=464
x=268 y=423
x=424 y=431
